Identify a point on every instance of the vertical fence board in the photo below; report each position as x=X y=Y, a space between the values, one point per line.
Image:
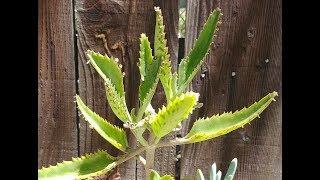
x=120 y=22
x=165 y=158
x=248 y=44
x=90 y=17
x=57 y=131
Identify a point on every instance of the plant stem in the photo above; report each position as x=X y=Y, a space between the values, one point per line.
x=123 y=159
x=149 y=160
x=138 y=134
x=149 y=150
x=130 y=155
x=150 y=153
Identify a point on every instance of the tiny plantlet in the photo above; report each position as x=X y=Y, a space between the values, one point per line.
x=144 y=120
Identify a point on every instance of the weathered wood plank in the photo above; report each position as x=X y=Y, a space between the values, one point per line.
x=119 y=22
x=248 y=44
x=57 y=128
x=165 y=158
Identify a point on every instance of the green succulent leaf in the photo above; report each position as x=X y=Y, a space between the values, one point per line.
x=232 y=169
x=166 y=79
x=166 y=177
x=108 y=68
x=174 y=84
x=146 y=57
x=84 y=167
x=149 y=70
x=176 y=111
x=230 y=177
x=218 y=176
x=199 y=175
x=214 y=175
x=117 y=102
x=113 y=134
x=110 y=71
x=161 y=52
x=187 y=178
x=213 y=172
x=160 y=42
x=217 y=125
x=189 y=66
x=154 y=175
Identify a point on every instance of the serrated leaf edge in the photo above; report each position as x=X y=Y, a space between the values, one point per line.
x=117 y=102
x=118 y=130
x=76 y=159
x=171 y=105
x=182 y=81
x=165 y=73
x=193 y=138
x=142 y=66
x=97 y=68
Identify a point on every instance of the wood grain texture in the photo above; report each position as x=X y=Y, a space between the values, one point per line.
x=120 y=22
x=165 y=158
x=248 y=44
x=57 y=131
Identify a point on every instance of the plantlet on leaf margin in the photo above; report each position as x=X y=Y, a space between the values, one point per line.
x=180 y=104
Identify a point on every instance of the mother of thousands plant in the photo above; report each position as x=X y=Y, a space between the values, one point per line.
x=153 y=66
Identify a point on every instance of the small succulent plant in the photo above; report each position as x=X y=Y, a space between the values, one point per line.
x=214 y=175
x=154 y=67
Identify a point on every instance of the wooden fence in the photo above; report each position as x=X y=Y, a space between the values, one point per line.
x=243 y=65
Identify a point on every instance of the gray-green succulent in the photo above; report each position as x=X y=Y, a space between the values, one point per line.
x=216 y=175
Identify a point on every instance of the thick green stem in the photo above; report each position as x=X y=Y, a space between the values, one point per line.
x=150 y=150
x=138 y=134
x=125 y=158
x=150 y=153
x=149 y=160
x=130 y=155
x=142 y=124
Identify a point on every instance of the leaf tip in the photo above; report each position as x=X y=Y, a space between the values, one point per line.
x=234 y=160
x=157 y=9
x=143 y=35
x=274 y=93
x=89 y=51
